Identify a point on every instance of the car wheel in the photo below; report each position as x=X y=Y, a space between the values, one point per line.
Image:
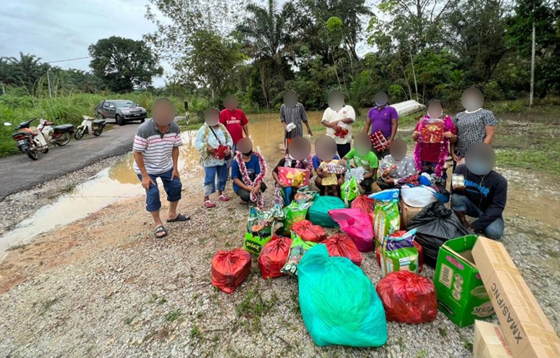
x=143 y=120
x=119 y=120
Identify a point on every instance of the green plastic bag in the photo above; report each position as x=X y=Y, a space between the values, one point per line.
x=297 y=250
x=318 y=213
x=293 y=213
x=260 y=227
x=349 y=190
x=338 y=302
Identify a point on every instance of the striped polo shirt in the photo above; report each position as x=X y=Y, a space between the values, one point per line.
x=156 y=147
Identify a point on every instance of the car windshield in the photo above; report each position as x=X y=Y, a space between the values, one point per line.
x=124 y=103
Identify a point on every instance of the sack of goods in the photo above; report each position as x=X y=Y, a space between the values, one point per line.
x=304 y=196
x=357 y=225
x=338 y=302
x=434 y=225
x=230 y=268
x=318 y=213
x=293 y=213
x=408 y=297
x=398 y=253
x=349 y=190
x=274 y=256
x=260 y=226
x=297 y=250
x=309 y=232
x=365 y=204
x=293 y=177
x=387 y=218
x=341 y=245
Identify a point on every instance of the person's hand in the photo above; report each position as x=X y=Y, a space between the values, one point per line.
x=175 y=174
x=448 y=135
x=390 y=181
x=256 y=189
x=211 y=150
x=146 y=181
x=309 y=132
x=456 y=158
x=415 y=135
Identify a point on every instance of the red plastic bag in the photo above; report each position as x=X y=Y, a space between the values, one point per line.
x=408 y=297
x=230 y=268
x=365 y=204
x=309 y=232
x=420 y=255
x=357 y=225
x=342 y=245
x=273 y=256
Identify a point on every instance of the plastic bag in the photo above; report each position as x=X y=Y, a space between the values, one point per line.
x=260 y=226
x=293 y=177
x=294 y=213
x=434 y=225
x=418 y=197
x=309 y=232
x=365 y=204
x=338 y=302
x=357 y=225
x=420 y=255
x=297 y=250
x=304 y=196
x=398 y=253
x=342 y=245
x=357 y=173
x=230 y=268
x=387 y=219
x=273 y=256
x=408 y=297
x=318 y=213
x=349 y=190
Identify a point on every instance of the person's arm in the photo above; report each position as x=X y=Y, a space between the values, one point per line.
x=245 y=124
x=370 y=174
x=139 y=146
x=490 y=131
x=394 y=124
x=325 y=121
x=308 y=129
x=242 y=185
x=198 y=143
x=495 y=210
x=351 y=116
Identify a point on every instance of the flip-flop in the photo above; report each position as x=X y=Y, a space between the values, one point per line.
x=158 y=230
x=208 y=204
x=179 y=217
x=223 y=197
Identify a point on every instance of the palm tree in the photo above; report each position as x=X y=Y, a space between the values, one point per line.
x=27 y=69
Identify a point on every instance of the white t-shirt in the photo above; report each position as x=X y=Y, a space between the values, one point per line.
x=332 y=116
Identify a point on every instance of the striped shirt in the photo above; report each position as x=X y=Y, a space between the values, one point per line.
x=295 y=115
x=156 y=147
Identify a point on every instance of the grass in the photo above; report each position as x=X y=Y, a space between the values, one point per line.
x=254 y=306
x=195 y=332
x=173 y=315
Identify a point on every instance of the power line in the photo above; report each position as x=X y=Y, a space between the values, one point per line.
x=70 y=59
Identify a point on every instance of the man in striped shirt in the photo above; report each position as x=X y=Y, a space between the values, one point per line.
x=156 y=153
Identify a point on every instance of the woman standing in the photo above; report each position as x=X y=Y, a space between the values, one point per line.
x=214 y=142
x=474 y=125
x=338 y=119
x=382 y=118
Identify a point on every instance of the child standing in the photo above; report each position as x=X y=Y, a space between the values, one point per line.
x=362 y=156
x=331 y=182
x=396 y=167
x=433 y=135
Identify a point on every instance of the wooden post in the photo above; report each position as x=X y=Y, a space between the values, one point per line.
x=532 y=91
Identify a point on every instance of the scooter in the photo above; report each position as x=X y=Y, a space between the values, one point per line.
x=32 y=140
x=89 y=125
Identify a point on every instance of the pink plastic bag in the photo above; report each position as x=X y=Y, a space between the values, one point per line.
x=357 y=225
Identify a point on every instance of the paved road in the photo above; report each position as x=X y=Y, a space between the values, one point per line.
x=18 y=172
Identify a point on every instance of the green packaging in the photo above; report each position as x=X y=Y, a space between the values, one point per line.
x=460 y=292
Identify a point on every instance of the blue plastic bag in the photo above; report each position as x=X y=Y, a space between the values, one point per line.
x=338 y=302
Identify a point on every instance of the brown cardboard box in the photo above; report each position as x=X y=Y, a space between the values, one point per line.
x=489 y=341
x=407 y=213
x=524 y=324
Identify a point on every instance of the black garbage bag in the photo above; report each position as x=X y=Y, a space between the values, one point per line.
x=435 y=224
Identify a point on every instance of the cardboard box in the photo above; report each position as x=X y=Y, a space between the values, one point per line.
x=524 y=324
x=460 y=291
x=489 y=341
x=407 y=213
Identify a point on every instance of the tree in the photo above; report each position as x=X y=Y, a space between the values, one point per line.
x=123 y=64
x=22 y=71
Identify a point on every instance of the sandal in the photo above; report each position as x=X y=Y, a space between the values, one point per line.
x=223 y=197
x=178 y=218
x=208 y=204
x=160 y=230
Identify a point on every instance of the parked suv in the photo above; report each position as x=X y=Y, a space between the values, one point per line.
x=121 y=110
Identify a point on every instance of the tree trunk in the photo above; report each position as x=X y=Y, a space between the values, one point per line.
x=263 y=85
x=532 y=91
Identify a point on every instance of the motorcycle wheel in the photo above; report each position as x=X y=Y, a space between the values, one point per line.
x=45 y=151
x=79 y=134
x=64 y=139
x=31 y=154
x=98 y=132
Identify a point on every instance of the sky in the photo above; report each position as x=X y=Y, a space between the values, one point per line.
x=63 y=29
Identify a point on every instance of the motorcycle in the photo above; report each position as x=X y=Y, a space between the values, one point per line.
x=32 y=140
x=89 y=125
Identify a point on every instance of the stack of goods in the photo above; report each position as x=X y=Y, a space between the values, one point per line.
x=408 y=297
x=398 y=253
x=387 y=218
x=341 y=245
x=294 y=213
x=304 y=195
x=357 y=225
x=230 y=268
x=318 y=214
x=260 y=226
x=338 y=302
x=273 y=256
x=379 y=141
x=309 y=232
x=293 y=177
x=297 y=250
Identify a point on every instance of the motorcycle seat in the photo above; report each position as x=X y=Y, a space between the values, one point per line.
x=64 y=128
x=98 y=121
x=19 y=134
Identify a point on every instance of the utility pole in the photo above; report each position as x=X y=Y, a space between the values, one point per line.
x=3 y=89
x=532 y=91
x=49 y=83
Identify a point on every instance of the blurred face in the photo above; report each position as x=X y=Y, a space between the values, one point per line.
x=245 y=146
x=299 y=148
x=362 y=144
x=212 y=117
x=435 y=110
x=336 y=100
x=231 y=102
x=480 y=158
x=472 y=99
x=290 y=98
x=325 y=147
x=380 y=98
x=163 y=112
x=398 y=149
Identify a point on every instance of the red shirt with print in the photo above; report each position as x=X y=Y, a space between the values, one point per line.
x=234 y=122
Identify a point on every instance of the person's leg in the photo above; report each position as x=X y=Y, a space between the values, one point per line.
x=230 y=160
x=383 y=185
x=153 y=203
x=495 y=230
x=319 y=185
x=244 y=195
x=222 y=173
x=463 y=207
x=209 y=182
x=343 y=149
x=366 y=185
x=173 y=189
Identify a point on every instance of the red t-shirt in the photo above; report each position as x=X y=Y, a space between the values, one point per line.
x=430 y=151
x=234 y=122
